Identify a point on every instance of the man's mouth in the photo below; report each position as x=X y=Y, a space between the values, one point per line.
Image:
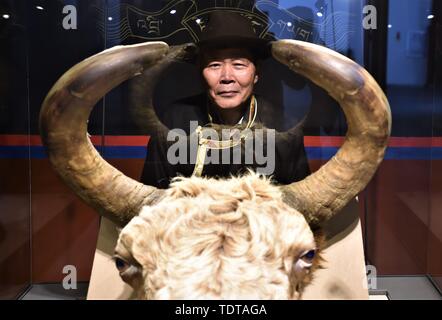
x=227 y=94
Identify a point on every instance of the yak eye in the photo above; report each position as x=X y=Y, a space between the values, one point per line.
x=305 y=261
x=310 y=255
x=121 y=264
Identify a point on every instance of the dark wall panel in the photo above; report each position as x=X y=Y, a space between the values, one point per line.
x=15 y=250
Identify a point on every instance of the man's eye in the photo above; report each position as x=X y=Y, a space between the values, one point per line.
x=214 y=65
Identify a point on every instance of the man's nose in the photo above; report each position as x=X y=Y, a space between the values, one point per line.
x=226 y=75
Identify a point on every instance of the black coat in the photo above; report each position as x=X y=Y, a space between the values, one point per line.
x=290 y=156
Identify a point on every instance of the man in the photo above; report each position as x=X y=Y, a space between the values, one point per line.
x=229 y=54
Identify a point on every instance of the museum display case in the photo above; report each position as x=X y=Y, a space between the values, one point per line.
x=47 y=233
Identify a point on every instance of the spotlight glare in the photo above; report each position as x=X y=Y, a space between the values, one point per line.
x=319 y=14
x=39 y=7
x=172 y=11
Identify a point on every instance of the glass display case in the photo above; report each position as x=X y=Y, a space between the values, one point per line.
x=45 y=228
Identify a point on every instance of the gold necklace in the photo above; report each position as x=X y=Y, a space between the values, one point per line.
x=205 y=144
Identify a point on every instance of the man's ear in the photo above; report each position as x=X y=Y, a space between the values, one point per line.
x=256 y=79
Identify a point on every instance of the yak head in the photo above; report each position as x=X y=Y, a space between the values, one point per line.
x=213 y=239
x=237 y=238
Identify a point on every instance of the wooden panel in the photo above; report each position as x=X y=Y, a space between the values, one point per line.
x=14 y=227
x=64 y=228
x=397 y=219
x=435 y=230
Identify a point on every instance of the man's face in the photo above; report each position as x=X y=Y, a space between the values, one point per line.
x=230 y=75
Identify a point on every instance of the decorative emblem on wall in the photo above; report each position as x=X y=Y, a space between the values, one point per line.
x=185 y=19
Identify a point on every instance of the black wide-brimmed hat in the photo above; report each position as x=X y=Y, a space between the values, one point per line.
x=228 y=29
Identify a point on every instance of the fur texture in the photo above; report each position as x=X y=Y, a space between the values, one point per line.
x=218 y=239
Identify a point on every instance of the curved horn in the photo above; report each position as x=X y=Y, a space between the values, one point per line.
x=63 y=127
x=328 y=190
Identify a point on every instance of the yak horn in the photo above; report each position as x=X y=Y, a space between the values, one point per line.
x=63 y=127
x=328 y=190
